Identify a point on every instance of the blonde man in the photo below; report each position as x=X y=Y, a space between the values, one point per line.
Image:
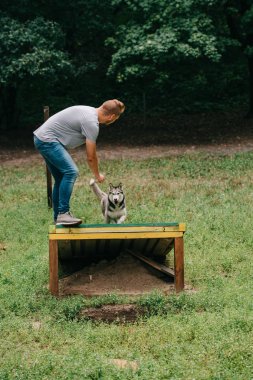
x=65 y=130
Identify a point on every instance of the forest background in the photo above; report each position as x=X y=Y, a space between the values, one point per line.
x=159 y=57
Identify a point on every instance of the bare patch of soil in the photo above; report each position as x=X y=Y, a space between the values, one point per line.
x=215 y=133
x=113 y=313
x=122 y=363
x=124 y=275
x=18 y=158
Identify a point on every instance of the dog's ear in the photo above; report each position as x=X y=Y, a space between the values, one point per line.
x=110 y=186
x=120 y=186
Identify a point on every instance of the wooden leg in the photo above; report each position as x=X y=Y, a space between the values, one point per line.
x=53 y=268
x=179 y=263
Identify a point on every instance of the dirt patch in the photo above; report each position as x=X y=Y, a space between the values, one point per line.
x=113 y=313
x=223 y=133
x=122 y=363
x=18 y=158
x=124 y=275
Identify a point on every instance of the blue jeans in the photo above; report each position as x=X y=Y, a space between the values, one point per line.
x=64 y=171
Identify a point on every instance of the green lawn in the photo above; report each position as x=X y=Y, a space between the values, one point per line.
x=207 y=334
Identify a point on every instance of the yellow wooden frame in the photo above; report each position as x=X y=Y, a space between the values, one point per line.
x=174 y=231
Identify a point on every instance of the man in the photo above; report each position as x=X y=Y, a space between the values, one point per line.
x=66 y=130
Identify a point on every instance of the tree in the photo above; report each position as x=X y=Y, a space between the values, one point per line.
x=239 y=17
x=157 y=37
x=185 y=55
x=85 y=25
x=29 y=51
x=159 y=44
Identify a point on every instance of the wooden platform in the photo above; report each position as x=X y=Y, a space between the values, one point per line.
x=75 y=246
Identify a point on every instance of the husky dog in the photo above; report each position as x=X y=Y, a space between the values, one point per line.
x=113 y=204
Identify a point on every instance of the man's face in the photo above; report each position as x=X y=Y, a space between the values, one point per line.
x=111 y=119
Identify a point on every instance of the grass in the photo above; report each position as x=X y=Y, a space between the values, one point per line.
x=207 y=334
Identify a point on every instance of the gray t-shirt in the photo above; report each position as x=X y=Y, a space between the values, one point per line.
x=70 y=127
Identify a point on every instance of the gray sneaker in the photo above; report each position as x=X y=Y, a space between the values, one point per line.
x=67 y=219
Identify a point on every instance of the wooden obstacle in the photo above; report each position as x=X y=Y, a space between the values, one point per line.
x=75 y=247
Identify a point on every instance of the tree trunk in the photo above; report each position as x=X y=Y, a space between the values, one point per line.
x=144 y=108
x=250 y=66
x=10 y=114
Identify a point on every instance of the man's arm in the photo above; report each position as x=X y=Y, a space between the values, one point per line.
x=92 y=159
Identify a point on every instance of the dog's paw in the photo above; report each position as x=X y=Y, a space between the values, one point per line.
x=92 y=181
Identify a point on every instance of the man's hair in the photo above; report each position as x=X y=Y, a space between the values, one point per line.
x=113 y=106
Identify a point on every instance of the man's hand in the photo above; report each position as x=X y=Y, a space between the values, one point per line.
x=100 y=178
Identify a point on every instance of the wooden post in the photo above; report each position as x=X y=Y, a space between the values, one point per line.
x=53 y=268
x=152 y=263
x=144 y=108
x=179 y=263
x=48 y=174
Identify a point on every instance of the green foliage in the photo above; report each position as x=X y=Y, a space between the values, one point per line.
x=160 y=33
x=240 y=21
x=31 y=49
x=175 y=51
x=157 y=56
x=153 y=304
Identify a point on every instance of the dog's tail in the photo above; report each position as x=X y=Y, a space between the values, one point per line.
x=99 y=193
